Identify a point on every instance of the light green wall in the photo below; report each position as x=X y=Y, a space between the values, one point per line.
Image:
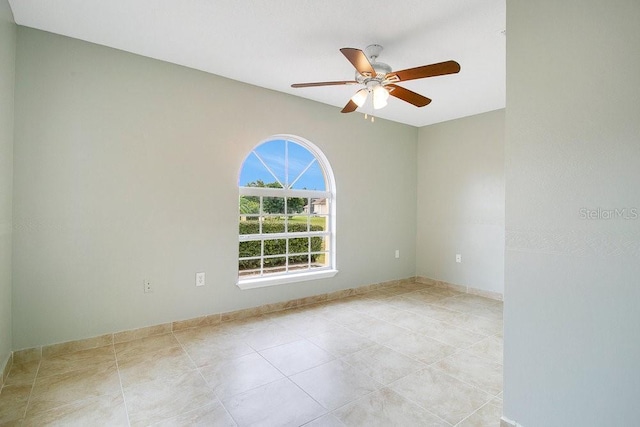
x=461 y=201
x=572 y=322
x=7 y=74
x=126 y=168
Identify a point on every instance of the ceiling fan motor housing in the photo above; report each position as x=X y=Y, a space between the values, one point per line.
x=381 y=70
x=373 y=51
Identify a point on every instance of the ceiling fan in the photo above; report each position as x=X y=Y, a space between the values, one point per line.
x=379 y=80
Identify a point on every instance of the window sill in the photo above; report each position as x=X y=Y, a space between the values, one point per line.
x=263 y=282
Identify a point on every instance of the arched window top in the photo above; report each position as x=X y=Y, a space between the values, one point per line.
x=286 y=214
x=287 y=162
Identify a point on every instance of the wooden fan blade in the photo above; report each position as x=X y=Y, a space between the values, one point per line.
x=350 y=107
x=439 y=69
x=359 y=60
x=408 y=95
x=342 y=82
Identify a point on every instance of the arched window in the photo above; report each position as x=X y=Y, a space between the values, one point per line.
x=286 y=214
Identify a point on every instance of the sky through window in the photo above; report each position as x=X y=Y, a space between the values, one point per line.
x=286 y=162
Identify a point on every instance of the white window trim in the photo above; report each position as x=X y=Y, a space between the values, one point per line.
x=320 y=273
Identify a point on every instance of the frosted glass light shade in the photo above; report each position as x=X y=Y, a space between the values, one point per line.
x=380 y=96
x=360 y=97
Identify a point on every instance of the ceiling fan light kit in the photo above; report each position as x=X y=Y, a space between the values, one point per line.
x=380 y=96
x=379 y=79
x=360 y=97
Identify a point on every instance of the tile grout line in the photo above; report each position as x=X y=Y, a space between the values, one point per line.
x=203 y=378
x=432 y=365
x=409 y=331
x=463 y=381
x=487 y=358
x=457 y=314
x=33 y=386
x=434 y=338
x=124 y=398
x=414 y=401
x=285 y=376
x=493 y=396
x=327 y=410
x=474 y=412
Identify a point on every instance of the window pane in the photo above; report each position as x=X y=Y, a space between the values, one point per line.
x=275 y=265
x=253 y=172
x=319 y=223
x=319 y=260
x=325 y=243
x=298 y=262
x=250 y=249
x=273 y=225
x=319 y=214
x=319 y=207
x=272 y=154
x=249 y=205
x=311 y=179
x=249 y=225
x=297 y=223
x=248 y=272
x=296 y=205
x=273 y=205
x=299 y=245
x=300 y=159
x=317 y=244
x=275 y=247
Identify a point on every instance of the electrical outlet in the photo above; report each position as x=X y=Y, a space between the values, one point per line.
x=397 y=253
x=147 y=286
x=458 y=258
x=200 y=279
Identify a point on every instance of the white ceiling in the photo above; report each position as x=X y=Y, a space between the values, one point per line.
x=274 y=43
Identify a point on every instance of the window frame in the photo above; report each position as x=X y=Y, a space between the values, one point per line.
x=272 y=279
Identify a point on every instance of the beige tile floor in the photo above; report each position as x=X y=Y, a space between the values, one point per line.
x=411 y=355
